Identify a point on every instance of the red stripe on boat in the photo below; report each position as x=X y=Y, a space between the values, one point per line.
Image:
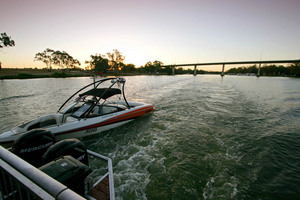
x=126 y=116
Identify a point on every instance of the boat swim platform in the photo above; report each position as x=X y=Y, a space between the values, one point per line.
x=21 y=180
x=231 y=63
x=101 y=190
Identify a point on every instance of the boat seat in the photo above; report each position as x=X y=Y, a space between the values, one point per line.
x=50 y=120
x=121 y=107
x=108 y=109
x=47 y=122
x=71 y=119
x=96 y=110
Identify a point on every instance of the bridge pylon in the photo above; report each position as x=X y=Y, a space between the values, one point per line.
x=195 y=70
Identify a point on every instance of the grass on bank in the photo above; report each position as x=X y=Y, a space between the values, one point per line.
x=30 y=76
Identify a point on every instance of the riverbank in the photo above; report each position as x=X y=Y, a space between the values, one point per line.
x=26 y=73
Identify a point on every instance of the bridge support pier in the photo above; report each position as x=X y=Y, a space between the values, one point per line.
x=173 y=70
x=258 y=72
x=223 y=68
x=195 y=70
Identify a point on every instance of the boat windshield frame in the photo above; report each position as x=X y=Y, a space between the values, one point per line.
x=105 y=92
x=83 y=109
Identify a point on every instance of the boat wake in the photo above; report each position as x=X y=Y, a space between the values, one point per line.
x=15 y=97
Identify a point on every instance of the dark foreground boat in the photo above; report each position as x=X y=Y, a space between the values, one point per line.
x=94 y=110
x=35 y=159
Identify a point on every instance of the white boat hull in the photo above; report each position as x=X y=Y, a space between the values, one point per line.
x=78 y=128
x=90 y=131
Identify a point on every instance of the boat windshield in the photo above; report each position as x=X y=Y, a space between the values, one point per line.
x=82 y=110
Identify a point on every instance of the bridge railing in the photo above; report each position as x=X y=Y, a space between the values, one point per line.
x=231 y=63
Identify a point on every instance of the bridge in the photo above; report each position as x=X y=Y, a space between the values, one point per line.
x=232 y=63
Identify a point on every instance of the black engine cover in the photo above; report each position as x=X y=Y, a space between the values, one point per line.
x=32 y=145
x=72 y=147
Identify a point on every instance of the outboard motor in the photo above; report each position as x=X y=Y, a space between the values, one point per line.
x=72 y=147
x=68 y=171
x=32 y=145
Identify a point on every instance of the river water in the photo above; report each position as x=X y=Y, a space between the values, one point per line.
x=209 y=137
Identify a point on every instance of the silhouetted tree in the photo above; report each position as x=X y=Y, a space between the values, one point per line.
x=180 y=70
x=6 y=41
x=154 y=67
x=157 y=66
x=128 y=68
x=252 y=69
x=63 y=59
x=294 y=69
x=115 y=59
x=98 y=63
x=45 y=57
x=59 y=58
x=168 y=70
x=269 y=70
x=148 y=67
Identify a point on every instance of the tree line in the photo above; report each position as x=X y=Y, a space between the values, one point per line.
x=114 y=63
x=58 y=58
x=268 y=70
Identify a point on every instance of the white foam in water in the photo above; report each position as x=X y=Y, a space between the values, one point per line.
x=208 y=191
x=132 y=174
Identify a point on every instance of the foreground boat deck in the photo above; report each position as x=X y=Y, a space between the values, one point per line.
x=20 y=180
x=101 y=190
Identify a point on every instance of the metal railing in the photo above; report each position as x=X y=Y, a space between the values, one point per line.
x=15 y=186
x=21 y=180
x=109 y=173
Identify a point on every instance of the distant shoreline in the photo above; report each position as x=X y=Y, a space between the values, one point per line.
x=29 y=73
x=8 y=73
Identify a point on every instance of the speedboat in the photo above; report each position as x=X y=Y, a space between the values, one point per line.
x=89 y=111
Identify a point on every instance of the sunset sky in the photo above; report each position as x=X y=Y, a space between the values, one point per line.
x=174 y=31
